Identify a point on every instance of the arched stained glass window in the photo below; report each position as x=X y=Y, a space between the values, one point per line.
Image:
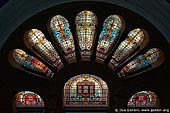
x=35 y=40
x=113 y=27
x=86 y=22
x=86 y=91
x=144 y=99
x=59 y=27
x=21 y=60
x=28 y=99
x=137 y=39
x=152 y=59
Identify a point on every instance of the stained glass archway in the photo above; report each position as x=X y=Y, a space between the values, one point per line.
x=144 y=99
x=86 y=90
x=28 y=99
x=86 y=22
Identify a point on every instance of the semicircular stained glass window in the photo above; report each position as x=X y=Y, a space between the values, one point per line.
x=28 y=99
x=21 y=60
x=35 y=40
x=86 y=90
x=86 y=22
x=59 y=28
x=113 y=27
x=151 y=59
x=144 y=99
x=137 y=39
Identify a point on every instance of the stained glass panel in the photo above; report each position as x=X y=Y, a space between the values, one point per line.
x=59 y=28
x=85 y=91
x=152 y=59
x=21 y=60
x=28 y=99
x=137 y=39
x=113 y=27
x=86 y=22
x=143 y=99
x=35 y=40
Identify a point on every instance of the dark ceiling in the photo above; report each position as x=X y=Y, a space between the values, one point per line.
x=13 y=80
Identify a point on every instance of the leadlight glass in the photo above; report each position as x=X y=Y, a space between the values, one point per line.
x=59 y=27
x=86 y=22
x=137 y=39
x=85 y=90
x=143 y=99
x=113 y=27
x=35 y=40
x=151 y=59
x=21 y=60
x=28 y=99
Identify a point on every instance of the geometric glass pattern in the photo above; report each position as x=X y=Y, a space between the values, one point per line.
x=59 y=28
x=137 y=39
x=144 y=99
x=151 y=59
x=86 y=90
x=28 y=99
x=21 y=60
x=35 y=40
x=86 y=22
x=113 y=27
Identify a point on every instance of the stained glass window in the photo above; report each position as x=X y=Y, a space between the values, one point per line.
x=59 y=27
x=85 y=91
x=86 y=22
x=137 y=39
x=152 y=59
x=28 y=99
x=21 y=60
x=35 y=40
x=113 y=27
x=143 y=99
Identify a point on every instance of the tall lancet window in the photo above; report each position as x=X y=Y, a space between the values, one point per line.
x=23 y=61
x=35 y=40
x=144 y=99
x=113 y=27
x=59 y=28
x=137 y=39
x=151 y=59
x=86 y=22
